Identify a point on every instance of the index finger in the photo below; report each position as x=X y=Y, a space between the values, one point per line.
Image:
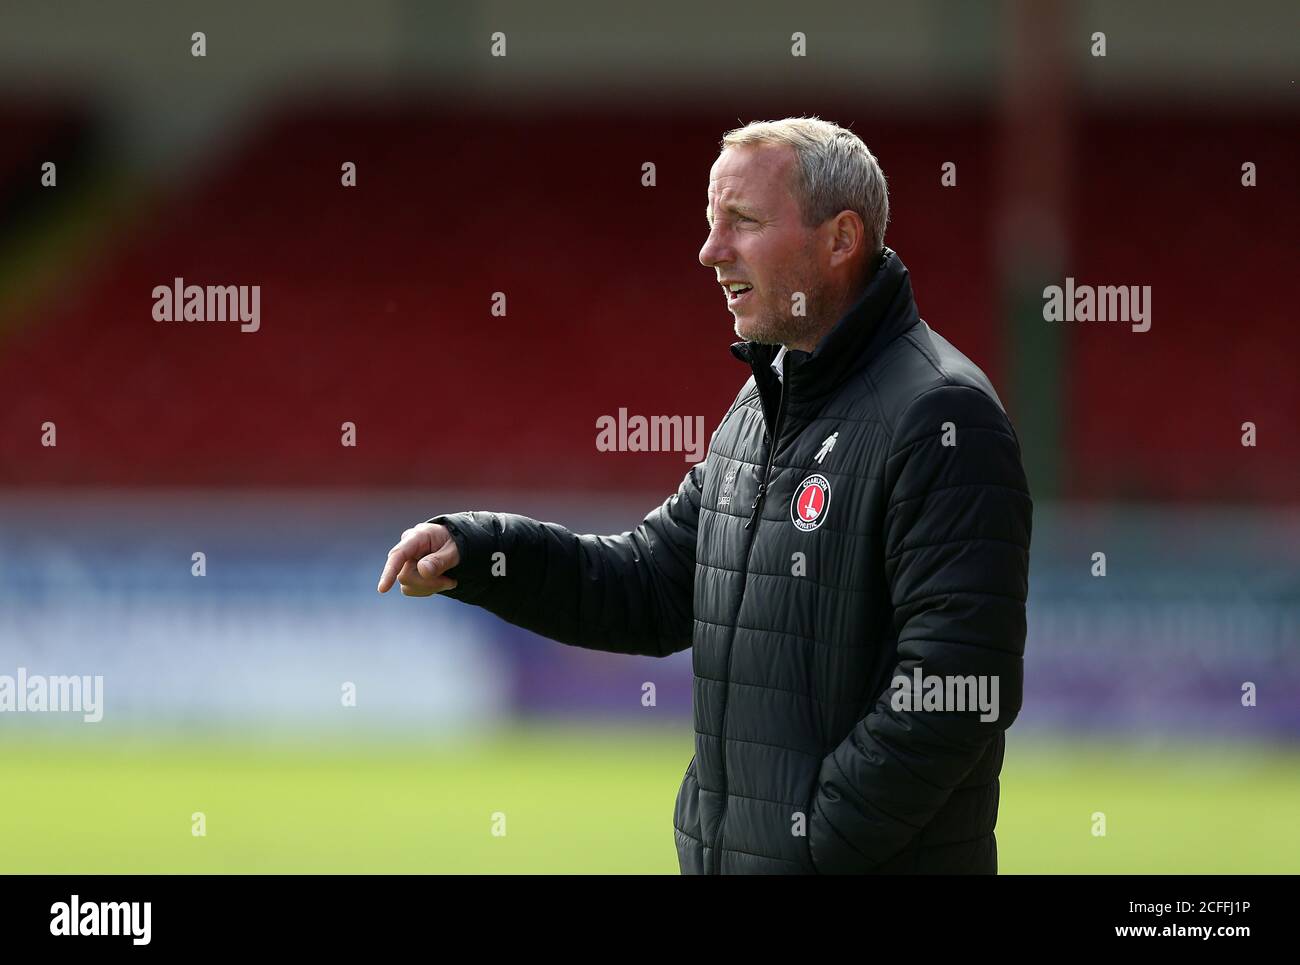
x=397 y=558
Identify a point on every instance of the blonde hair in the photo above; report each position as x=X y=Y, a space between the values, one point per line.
x=835 y=171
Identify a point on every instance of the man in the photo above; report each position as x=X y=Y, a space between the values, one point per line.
x=858 y=530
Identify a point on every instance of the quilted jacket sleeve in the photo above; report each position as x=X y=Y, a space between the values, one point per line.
x=632 y=593
x=956 y=532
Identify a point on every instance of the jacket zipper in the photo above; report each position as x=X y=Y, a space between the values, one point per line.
x=756 y=507
x=755 y=510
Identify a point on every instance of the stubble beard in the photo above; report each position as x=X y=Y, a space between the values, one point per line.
x=778 y=325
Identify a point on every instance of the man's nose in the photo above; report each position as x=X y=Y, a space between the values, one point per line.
x=715 y=251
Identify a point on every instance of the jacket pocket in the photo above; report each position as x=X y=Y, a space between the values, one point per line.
x=827 y=851
x=809 y=856
x=686 y=810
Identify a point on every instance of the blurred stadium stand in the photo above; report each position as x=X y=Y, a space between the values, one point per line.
x=375 y=295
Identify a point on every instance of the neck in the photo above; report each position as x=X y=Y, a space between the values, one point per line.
x=840 y=304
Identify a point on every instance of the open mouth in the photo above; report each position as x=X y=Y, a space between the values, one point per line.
x=735 y=296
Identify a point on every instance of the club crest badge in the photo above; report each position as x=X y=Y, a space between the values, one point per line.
x=811 y=499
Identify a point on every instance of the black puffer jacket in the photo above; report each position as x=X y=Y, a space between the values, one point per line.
x=807 y=575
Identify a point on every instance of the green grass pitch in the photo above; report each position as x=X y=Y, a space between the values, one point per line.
x=579 y=799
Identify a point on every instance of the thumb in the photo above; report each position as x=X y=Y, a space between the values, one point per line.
x=435 y=563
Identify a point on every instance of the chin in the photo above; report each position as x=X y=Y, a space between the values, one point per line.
x=748 y=330
x=751 y=331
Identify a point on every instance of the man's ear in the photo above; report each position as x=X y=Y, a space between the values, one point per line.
x=848 y=237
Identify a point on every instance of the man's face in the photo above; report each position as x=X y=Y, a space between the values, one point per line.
x=757 y=236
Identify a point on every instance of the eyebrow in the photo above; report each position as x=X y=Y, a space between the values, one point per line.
x=740 y=208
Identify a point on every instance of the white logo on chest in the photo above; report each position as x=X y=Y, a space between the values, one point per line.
x=728 y=484
x=827 y=445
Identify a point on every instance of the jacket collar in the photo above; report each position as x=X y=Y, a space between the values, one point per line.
x=884 y=311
